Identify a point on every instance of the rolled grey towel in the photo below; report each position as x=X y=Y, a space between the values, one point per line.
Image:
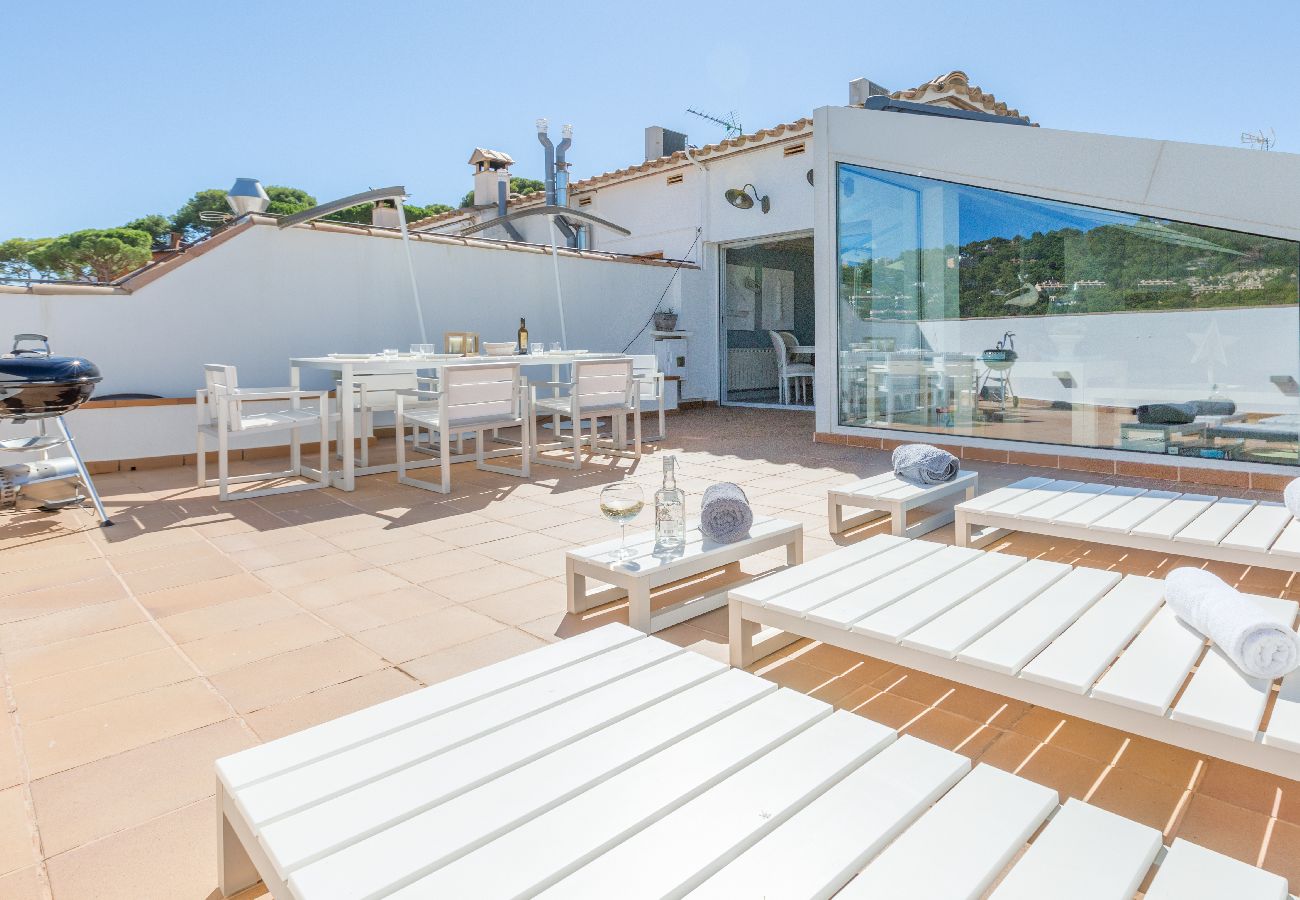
x=725 y=516
x=1291 y=497
x=924 y=464
x=1166 y=414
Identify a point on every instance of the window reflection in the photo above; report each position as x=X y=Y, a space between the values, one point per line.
x=971 y=311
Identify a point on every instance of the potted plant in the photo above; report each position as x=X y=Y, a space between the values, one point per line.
x=666 y=320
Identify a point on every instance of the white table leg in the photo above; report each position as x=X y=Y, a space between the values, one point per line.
x=638 y=605
x=794 y=551
x=235 y=869
x=347 y=428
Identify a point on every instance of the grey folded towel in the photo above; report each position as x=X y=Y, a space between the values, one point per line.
x=924 y=464
x=1183 y=413
x=725 y=516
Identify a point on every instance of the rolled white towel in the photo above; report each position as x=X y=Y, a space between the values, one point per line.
x=1291 y=497
x=1237 y=625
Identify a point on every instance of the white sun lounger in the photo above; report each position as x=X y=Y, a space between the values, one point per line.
x=1227 y=529
x=614 y=764
x=1086 y=642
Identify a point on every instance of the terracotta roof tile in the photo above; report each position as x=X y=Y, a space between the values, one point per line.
x=955 y=89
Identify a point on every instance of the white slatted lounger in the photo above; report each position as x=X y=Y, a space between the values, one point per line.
x=1083 y=641
x=669 y=775
x=1226 y=529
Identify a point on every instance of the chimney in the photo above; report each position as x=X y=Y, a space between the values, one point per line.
x=384 y=214
x=860 y=89
x=660 y=141
x=491 y=170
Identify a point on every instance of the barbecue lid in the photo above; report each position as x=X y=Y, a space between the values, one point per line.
x=30 y=368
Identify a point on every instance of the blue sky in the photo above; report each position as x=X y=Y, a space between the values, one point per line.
x=118 y=110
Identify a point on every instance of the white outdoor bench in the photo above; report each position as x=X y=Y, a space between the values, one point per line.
x=635 y=578
x=1227 y=529
x=889 y=495
x=1085 y=642
x=614 y=764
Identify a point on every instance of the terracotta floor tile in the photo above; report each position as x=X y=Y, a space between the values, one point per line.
x=67 y=624
x=843 y=662
x=83 y=652
x=74 y=739
x=885 y=708
x=229 y=649
x=816 y=683
x=1009 y=751
x=1128 y=794
x=510 y=549
x=172 y=856
x=80 y=688
x=19 y=607
x=38 y=556
x=1069 y=773
x=344 y=587
x=484 y=532
x=17 y=850
x=953 y=732
x=276 y=679
x=65 y=573
x=440 y=565
x=171 y=601
x=523 y=604
x=1168 y=765
x=329 y=703
x=416 y=546
x=472 y=654
x=374 y=610
x=219 y=618
x=1085 y=738
x=309 y=571
x=493 y=579
x=1251 y=789
x=1222 y=827
x=125 y=790
x=24 y=884
x=1283 y=854
x=422 y=635
x=182 y=573
x=11 y=766
x=158 y=557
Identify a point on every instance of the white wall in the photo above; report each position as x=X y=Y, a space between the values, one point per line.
x=267 y=295
x=1226 y=188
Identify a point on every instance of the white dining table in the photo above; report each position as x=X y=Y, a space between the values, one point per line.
x=348 y=365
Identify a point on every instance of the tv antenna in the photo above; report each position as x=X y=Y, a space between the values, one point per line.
x=730 y=123
x=1258 y=140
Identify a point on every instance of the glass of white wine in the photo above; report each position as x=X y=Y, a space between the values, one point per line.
x=622 y=502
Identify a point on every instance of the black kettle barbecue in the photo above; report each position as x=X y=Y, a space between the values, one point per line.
x=36 y=385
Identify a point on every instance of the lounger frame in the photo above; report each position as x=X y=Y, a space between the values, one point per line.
x=1225 y=529
x=762 y=619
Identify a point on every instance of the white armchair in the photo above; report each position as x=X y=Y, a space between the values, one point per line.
x=602 y=387
x=788 y=371
x=221 y=416
x=474 y=398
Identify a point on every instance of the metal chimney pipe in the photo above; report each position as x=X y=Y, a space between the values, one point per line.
x=545 y=140
x=562 y=168
x=503 y=196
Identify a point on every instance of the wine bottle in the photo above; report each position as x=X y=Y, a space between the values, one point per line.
x=522 y=336
x=670 y=511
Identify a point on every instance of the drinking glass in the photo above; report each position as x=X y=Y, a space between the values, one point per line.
x=537 y=348
x=622 y=502
x=555 y=347
x=390 y=353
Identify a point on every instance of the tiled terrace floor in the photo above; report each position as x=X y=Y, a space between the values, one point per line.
x=135 y=656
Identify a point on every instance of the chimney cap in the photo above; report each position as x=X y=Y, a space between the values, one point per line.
x=482 y=158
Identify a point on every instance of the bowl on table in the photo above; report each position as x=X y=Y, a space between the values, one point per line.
x=499 y=348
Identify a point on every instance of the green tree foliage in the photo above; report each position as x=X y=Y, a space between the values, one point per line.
x=94 y=254
x=523 y=186
x=157 y=226
x=285 y=201
x=187 y=221
x=361 y=214
x=16 y=258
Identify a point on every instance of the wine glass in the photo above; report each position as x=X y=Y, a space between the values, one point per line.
x=622 y=502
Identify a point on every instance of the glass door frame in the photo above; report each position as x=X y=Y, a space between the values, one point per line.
x=721 y=250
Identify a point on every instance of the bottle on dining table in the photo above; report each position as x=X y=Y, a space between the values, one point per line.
x=522 y=336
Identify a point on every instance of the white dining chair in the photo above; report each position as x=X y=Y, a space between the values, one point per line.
x=222 y=416
x=600 y=388
x=471 y=398
x=377 y=392
x=788 y=371
x=650 y=382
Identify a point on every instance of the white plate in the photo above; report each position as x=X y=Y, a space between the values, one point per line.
x=351 y=355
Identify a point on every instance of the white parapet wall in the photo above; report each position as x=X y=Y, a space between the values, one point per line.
x=266 y=295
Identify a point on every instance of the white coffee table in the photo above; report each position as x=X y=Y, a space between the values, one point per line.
x=636 y=577
x=889 y=495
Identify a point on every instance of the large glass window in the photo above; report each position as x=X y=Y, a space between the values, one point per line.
x=970 y=311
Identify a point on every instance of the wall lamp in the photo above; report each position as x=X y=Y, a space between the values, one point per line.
x=741 y=199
